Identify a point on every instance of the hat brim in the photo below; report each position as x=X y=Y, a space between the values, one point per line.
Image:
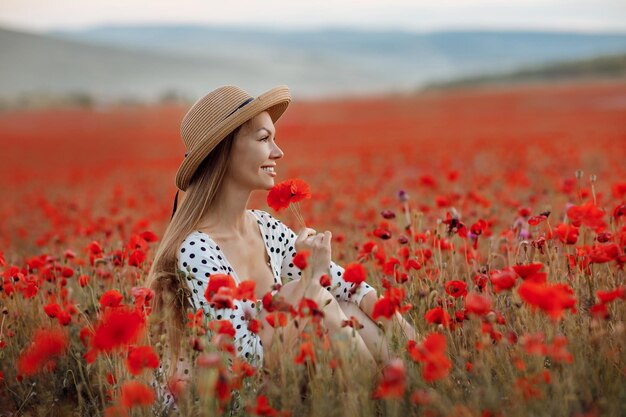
x=274 y=101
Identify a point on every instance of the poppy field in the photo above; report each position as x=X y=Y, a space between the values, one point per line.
x=493 y=220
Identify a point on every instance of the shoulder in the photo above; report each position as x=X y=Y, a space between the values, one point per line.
x=266 y=219
x=195 y=241
x=198 y=248
x=273 y=226
x=198 y=252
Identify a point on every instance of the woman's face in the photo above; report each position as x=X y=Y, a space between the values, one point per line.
x=254 y=148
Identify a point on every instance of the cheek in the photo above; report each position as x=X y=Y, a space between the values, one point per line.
x=245 y=164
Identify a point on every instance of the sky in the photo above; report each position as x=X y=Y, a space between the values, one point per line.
x=410 y=15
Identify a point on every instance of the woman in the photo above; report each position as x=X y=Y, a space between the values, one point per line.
x=231 y=151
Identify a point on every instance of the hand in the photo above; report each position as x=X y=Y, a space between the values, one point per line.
x=318 y=245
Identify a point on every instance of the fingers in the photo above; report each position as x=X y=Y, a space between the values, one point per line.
x=318 y=240
x=305 y=232
x=309 y=239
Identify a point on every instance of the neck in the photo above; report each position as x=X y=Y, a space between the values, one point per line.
x=227 y=214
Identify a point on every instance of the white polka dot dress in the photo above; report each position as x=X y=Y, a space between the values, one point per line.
x=199 y=257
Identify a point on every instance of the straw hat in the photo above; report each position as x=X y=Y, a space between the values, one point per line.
x=217 y=114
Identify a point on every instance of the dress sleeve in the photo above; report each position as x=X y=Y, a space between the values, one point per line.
x=338 y=287
x=198 y=258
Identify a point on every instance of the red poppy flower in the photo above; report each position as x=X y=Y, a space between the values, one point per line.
x=262 y=407
x=136 y=258
x=306 y=352
x=524 y=271
x=557 y=350
x=437 y=315
x=64 y=318
x=215 y=282
x=52 y=309
x=551 y=299
x=119 y=327
x=223 y=298
x=390 y=303
x=603 y=253
x=46 y=345
x=588 y=215
x=94 y=248
x=599 y=311
x=393 y=381
x=83 y=280
x=140 y=358
x=196 y=321
x=111 y=298
x=456 y=288
x=135 y=393
x=325 y=280
x=268 y=302
x=254 y=325
x=143 y=296
x=619 y=212
x=604 y=237
x=533 y=344
x=389 y=268
x=479 y=227
x=287 y=192
x=308 y=307
x=477 y=304
x=432 y=353
x=300 y=259
x=383 y=307
x=535 y=220
x=503 y=280
x=567 y=234
x=149 y=236
x=608 y=296
x=85 y=334
x=481 y=281
x=245 y=290
x=352 y=322
x=354 y=272
x=67 y=272
x=222 y=327
x=278 y=319
x=382 y=233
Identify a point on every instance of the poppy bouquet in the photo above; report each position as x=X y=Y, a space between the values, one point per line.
x=289 y=193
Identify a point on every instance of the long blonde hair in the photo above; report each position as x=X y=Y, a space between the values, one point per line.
x=171 y=291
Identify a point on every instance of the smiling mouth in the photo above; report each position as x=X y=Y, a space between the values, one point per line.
x=269 y=170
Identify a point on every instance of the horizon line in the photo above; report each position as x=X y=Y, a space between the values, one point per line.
x=319 y=28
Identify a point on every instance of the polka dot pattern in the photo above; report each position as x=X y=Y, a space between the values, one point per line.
x=199 y=257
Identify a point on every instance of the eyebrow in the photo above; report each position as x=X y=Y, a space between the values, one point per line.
x=263 y=128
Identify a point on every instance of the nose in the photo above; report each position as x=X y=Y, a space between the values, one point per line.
x=277 y=153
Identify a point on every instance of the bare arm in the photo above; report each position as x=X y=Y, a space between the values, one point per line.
x=367 y=305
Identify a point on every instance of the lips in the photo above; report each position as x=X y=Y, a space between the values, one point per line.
x=269 y=169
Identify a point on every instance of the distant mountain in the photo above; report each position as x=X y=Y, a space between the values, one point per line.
x=149 y=61
x=609 y=66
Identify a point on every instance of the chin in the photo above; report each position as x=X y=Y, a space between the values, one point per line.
x=266 y=185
